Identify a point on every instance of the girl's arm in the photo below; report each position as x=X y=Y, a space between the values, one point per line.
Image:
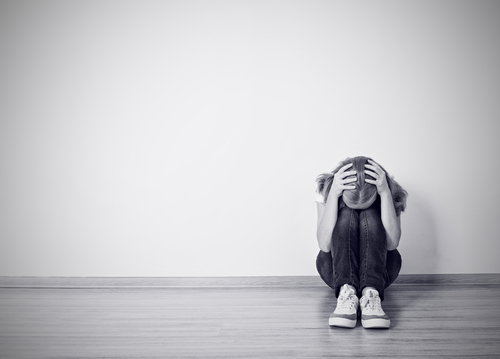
x=391 y=221
x=327 y=218
x=327 y=213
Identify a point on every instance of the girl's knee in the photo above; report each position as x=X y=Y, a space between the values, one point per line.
x=347 y=215
x=372 y=217
x=347 y=222
x=372 y=227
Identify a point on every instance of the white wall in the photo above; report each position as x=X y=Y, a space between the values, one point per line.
x=183 y=138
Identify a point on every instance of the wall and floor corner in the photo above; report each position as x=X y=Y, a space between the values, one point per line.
x=183 y=138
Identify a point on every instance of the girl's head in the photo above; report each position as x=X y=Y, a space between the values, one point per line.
x=365 y=194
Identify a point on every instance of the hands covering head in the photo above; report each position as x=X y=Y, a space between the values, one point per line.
x=358 y=180
x=364 y=193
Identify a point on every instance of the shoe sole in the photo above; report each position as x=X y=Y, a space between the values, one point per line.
x=376 y=323
x=342 y=322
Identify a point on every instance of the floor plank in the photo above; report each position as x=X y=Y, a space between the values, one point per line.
x=243 y=322
x=262 y=281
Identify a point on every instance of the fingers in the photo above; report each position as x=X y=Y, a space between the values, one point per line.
x=375 y=167
x=343 y=168
x=373 y=174
x=342 y=171
x=344 y=177
x=344 y=187
x=374 y=163
x=348 y=176
x=345 y=174
x=375 y=171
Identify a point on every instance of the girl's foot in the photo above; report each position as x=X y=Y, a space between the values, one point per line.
x=372 y=314
x=346 y=313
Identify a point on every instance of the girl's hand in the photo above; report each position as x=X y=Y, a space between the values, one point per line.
x=374 y=170
x=340 y=182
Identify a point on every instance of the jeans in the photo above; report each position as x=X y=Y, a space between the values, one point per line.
x=359 y=255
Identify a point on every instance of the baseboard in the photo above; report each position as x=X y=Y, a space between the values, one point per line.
x=492 y=279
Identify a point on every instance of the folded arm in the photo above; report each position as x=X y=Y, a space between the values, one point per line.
x=390 y=220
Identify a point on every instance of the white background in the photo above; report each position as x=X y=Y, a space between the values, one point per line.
x=183 y=138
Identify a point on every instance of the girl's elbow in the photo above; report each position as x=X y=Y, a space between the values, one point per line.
x=324 y=245
x=393 y=243
x=392 y=246
x=325 y=248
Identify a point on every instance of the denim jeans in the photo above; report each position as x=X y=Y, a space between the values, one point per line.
x=359 y=255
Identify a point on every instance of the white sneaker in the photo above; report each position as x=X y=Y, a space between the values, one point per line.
x=346 y=313
x=372 y=314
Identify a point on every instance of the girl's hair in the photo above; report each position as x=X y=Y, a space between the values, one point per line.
x=364 y=192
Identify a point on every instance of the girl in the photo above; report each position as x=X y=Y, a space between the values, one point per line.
x=359 y=228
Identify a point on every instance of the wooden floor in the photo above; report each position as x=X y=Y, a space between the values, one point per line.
x=431 y=316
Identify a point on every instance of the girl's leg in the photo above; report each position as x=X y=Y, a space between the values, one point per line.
x=373 y=252
x=345 y=250
x=394 y=263
x=324 y=265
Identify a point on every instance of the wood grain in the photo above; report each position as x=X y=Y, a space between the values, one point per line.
x=254 y=321
x=270 y=281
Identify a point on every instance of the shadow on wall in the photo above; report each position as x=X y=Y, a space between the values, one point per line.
x=419 y=245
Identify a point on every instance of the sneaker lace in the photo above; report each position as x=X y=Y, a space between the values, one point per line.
x=373 y=303
x=346 y=300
